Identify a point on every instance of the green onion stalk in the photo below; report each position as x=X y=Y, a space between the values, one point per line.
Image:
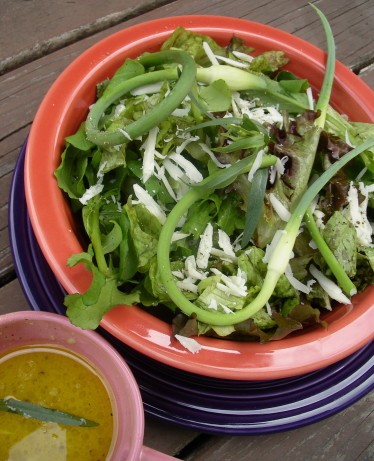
x=35 y=411
x=141 y=126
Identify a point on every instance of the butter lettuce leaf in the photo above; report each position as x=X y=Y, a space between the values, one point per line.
x=341 y=237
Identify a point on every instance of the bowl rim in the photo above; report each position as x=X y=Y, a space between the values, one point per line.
x=128 y=324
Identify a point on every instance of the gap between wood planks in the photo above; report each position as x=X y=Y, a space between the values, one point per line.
x=67 y=38
x=191 y=447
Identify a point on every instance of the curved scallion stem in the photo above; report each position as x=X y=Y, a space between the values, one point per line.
x=137 y=128
x=278 y=261
x=217 y=180
x=95 y=236
x=344 y=281
x=255 y=205
x=236 y=79
x=324 y=96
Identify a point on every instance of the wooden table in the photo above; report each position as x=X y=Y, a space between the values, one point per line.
x=39 y=38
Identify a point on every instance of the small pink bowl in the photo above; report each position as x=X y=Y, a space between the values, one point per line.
x=60 y=114
x=42 y=328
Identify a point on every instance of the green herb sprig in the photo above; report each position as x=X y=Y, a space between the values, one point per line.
x=32 y=410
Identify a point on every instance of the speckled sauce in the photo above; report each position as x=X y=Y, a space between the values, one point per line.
x=56 y=379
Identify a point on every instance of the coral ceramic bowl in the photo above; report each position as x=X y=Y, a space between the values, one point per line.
x=44 y=329
x=65 y=107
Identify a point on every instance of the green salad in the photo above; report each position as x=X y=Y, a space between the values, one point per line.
x=215 y=185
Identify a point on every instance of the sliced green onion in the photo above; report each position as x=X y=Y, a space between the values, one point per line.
x=255 y=204
x=250 y=142
x=324 y=96
x=158 y=113
x=236 y=79
x=216 y=122
x=344 y=281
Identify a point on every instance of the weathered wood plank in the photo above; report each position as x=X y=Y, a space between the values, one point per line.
x=12 y=298
x=367 y=75
x=332 y=439
x=44 y=26
x=166 y=437
x=23 y=89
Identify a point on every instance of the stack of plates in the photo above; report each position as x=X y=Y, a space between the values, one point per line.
x=211 y=405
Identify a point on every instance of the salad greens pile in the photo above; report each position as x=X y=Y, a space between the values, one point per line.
x=209 y=181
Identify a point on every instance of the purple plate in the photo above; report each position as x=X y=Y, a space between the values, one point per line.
x=210 y=405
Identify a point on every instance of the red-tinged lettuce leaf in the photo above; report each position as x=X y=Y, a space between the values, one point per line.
x=307 y=315
x=288 y=188
x=285 y=326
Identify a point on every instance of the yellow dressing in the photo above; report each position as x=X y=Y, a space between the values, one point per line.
x=56 y=379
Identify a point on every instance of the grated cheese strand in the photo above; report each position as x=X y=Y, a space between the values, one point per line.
x=333 y=290
x=205 y=247
x=152 y=206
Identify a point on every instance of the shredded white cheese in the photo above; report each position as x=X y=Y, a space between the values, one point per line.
x=125 y=133
x=149 y=147
x=191 y=269
x=187 y=285
x=256 y=164
x=152 y=206
x=192 y=173
x=296 y=283
x=223 y=255
x=91 y=192
x=189 y=343
x=179 y=236
x=225 y=309
x=347 y=140
x=279 y=208
x=361 y=174
x=181 y=112
x=329 y=286
x=232 y=62
x=210 y=54
x=96 y=188
x=174 y=171
x=310 y=98
x=243 y=56
x=270 y=115
x=147 y=89
x=225 y=244
x=119 y=109
x=232 y=285
x=160 y=174
x=356 y=212
x=179 y=149
x=205 y=247
x=206 y=149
